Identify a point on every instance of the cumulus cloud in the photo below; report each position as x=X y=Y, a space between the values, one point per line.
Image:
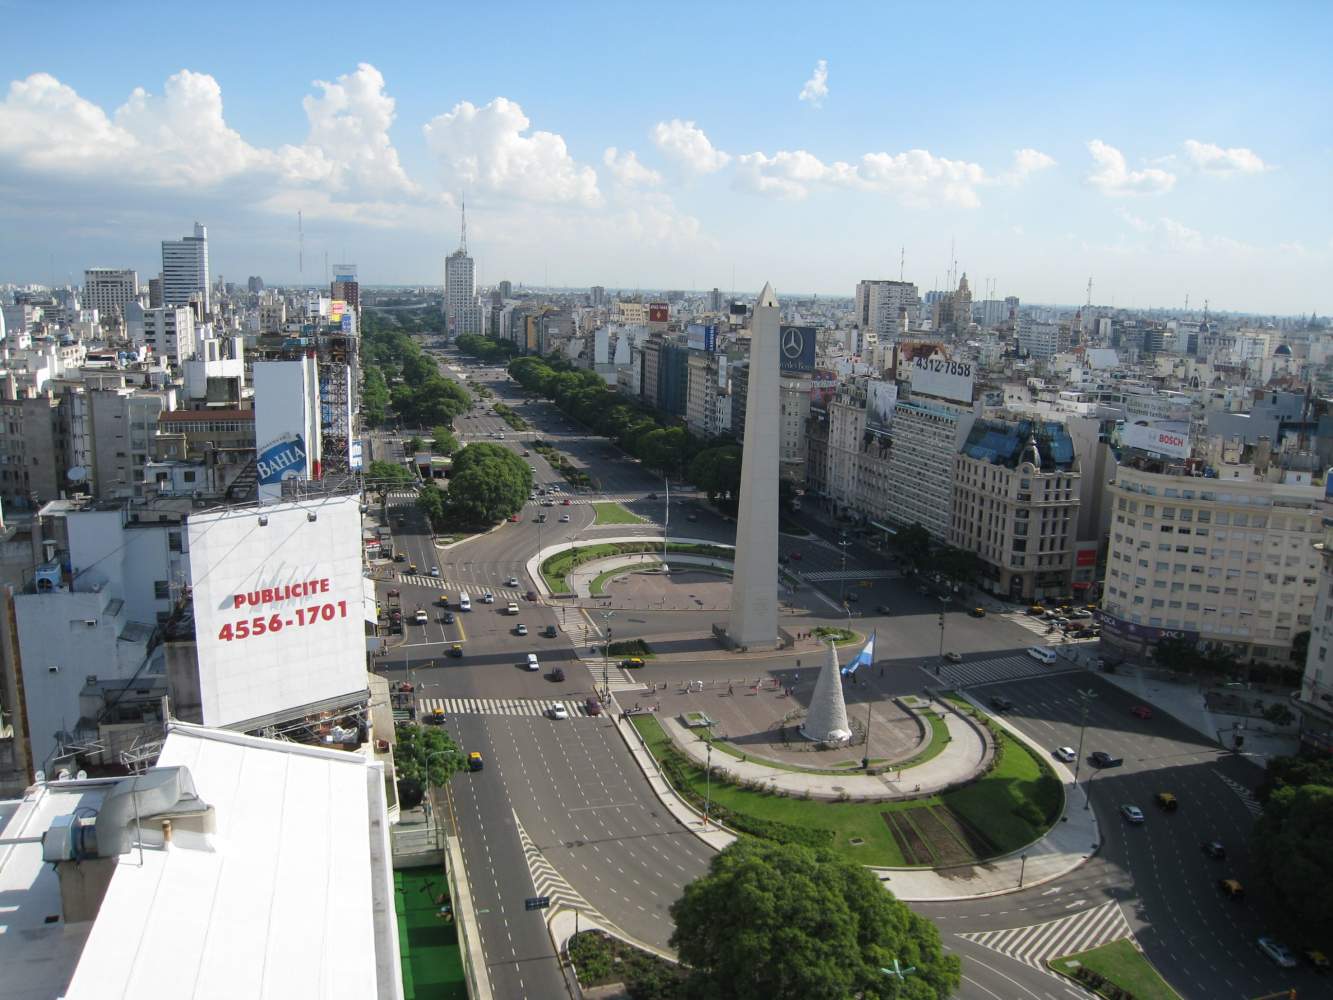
x=1216 y=160
x=627 y=170
x=487 y=147
x=815 y=89
x=917 y=176
x=1113 y=177
x=687 y=144
x=349 y=129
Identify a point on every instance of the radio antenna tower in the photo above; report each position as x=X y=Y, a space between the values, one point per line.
x=464 y=206
x=902 y=262
x=1089 y=305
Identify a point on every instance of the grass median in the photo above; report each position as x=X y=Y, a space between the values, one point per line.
x=1005 y=809
x=556 y=568
x=613 y=513
x=1114 y=968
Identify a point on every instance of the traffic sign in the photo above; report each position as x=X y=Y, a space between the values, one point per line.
x=537 y=903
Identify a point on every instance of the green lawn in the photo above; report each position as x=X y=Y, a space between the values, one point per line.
x=614 y=513
x=1121 y=964
x=428 y=945
x=556 y=569
x=987 y=805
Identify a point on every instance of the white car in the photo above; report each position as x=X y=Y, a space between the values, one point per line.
x=512 y=582
x=953 y=657
x=564 y=518
x=511 y=608
x=1066 y=754
x=1132 y=813
x=559 y=711
x=435 y=571
x=520 y=629
x=488 y=598
x=420 y=616
x=1277 y=951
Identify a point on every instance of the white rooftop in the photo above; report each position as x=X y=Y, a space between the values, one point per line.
x=292 y=895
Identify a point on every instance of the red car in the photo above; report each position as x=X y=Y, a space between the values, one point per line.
x=1142 y=711
x=513 y=518
x=593 y=706
x=564 y=502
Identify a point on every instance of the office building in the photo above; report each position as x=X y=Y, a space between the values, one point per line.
x=883 y=308
x=169 y=332
x=927 y=434
x=185 y=270
x=345 y=286
x=109 y=290
x=1314 y=701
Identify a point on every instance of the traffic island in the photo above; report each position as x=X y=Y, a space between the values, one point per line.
x=1117 y=971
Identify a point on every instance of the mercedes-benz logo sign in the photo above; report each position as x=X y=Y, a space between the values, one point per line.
x=793 y=343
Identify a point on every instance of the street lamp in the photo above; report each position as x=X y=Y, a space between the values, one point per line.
x=941 y=643
x=1023 y=864
x=1086 y=697
x=842 y=580
x=606 y=656
x=708 y=784
x=666 y=524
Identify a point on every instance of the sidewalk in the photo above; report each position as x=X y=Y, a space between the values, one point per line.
x=964 y=757
x=1185 y=702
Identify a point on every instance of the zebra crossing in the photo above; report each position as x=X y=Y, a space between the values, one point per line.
x=503 y=595
x=1035 y=944
x=1038 y=626
x=1246 y=796
x=498 y=706
x=1003 y=668
x=823 y=576
x=546 y=881
x=580 y=499
x=402 y=495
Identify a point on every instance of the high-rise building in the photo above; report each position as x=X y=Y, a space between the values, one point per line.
x=185 y=269
x=155 y=292
x=882 y=305
x=715 y=301
x=169 y=331
x=109 y=289
x=345 y=286
x=254 y=284
x=597 y=295
x=462 y=313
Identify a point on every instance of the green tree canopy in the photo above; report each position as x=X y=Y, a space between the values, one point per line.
x=717 y=471
x=1294 y=856
x=443 y=441
x=431 y=502
x=913 y=544
x=385 y=474
x=426 y=754
x=785 y=922
x=487 y=483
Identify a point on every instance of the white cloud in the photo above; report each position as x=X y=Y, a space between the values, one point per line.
x=815 y=89
x=349 y=128
x=1026 y=163
x=487 y=147
x=627 y=170
x=1112 y=177
x=785 y=174
x=686 y=143
x=1214 y=159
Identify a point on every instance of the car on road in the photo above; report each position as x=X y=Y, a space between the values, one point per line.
x=419 y=617
x=632 y=662
x=512 y=582
x=796 y=557
x=1167 y=801
x=565 y=503
x=693 y=517
x=1317 y=959
x=593 y=706
x=513 y=519
x=474 y=761
x=651 y=496
x=435 y=571
x=1001 y=704
x=532 y=663
x=853 y=597
x=883 y=609
x=1036 y=610
x=1132 y=813
x=448 y=618
x=548 y=502
x=435 y=718
x=455 y=650
x=558 y=711
x=394 y=592
x=977 y=612
x=526 y=453
x=399 y=557
x=1230 y=888
x=783 y=560
x=1100 y=758
x=1142 y=711
x=511 y=608
x=412 y=567
x=1080 y=613
x=953 y=657
x=487 y=597
x=541 y=518
x=549 y=632
x=557 y=674
x=1066 y=754
x=531 y=595
x=1214 y=849
x=1277 y=951
x=564 y=518
x=520 y=629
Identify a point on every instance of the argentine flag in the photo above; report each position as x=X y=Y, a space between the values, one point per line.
x=862 y=659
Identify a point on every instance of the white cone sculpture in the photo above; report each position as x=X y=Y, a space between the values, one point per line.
x=826 y=720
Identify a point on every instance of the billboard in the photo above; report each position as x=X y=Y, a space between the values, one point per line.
x=281 y=459
x=796 y=348
x=942 y=378
x=337 y=309
x=287 y=408
x=881 y=397
x=658 y=312
x=823 y=386
x=1161 y=439
x=278 y=613
x=702 y=337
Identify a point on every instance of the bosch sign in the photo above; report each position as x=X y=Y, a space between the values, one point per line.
x=1170 y=441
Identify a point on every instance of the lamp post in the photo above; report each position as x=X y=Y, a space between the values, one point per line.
x=1085 y=698
x=1022 y=867
x=666 y=524
x=708 y=784
x=865 y=760
x=606 y=656
x=941 y=666
x=842 y=579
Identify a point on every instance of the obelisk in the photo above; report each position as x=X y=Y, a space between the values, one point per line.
x=754 y=582
x=826 y=719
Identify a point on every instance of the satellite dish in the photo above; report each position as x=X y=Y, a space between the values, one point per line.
x=77 y=474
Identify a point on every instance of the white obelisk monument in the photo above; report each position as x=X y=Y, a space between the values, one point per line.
x=826 y=721
x=754 y=582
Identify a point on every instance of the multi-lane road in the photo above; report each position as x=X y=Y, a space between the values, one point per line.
x=561 y=809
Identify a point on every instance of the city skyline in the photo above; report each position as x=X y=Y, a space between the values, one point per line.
x=811 y=157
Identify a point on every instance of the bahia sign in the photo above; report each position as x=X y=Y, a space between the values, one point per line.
x=281 y=459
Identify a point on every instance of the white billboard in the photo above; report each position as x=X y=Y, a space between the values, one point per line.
x=1162 y=439
x=881 y=397
x=278 y=607
x=287 y=423
x=943 y=378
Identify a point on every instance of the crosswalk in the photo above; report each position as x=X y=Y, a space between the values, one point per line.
x=1038 y=626
x=823 y=576
x=1255 y=807
x=1035 y=944
x=402 y=494
x=499 y=706
x=1000 y=668
x=546 y=881
x=580 y=499
x=503 y=595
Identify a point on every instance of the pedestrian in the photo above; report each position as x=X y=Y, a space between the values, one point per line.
x=730 y=690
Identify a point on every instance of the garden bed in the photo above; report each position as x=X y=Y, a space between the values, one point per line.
x=600 y=960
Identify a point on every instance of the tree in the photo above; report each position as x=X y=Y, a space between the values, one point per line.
x=427 y=755
x=1300 y=646
x=955 y=564
x=443 y=441
x=1294 y=856
x=487 y=483
x=374 y=396
x=1292 y=771
x=431 y=502
x=387 y=474
x=775 y=921
x=415 y=444
x=717 y=471
x=913 y=545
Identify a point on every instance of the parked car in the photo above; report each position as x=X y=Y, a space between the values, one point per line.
x=1277 y=951
x=1132 y=813
x=1066 y=754
x=593 y=706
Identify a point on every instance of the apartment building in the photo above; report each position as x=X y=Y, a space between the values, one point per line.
x=109 y=290
x=1016 y=501
x=1315 y=698
x=1228 y=559
x=927 y=434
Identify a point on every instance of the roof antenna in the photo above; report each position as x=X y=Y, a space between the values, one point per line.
x=902 y=261
x=464 y=204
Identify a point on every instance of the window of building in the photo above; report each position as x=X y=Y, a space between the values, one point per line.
x=161 y=590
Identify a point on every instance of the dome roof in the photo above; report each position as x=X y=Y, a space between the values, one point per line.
x=1282 y=349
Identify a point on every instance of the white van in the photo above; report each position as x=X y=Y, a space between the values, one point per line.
x=532 y=662
x=464 y=602
x=1042 y=654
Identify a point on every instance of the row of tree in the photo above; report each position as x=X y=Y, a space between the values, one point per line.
x=487 y=483
x=1294 y=849
x=397 y=374
x=486 y=349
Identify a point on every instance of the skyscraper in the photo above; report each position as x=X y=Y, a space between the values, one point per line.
x=109 y=289
x=185 y=269
x=461 y=312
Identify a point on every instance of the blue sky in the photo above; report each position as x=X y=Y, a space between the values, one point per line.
x=1163 y=150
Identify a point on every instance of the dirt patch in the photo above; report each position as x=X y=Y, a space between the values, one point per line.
x=905 y=835
x=980 y=844
x=950 y=848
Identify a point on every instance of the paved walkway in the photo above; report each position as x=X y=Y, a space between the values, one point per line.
x=964 y=757
x=580 y=579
